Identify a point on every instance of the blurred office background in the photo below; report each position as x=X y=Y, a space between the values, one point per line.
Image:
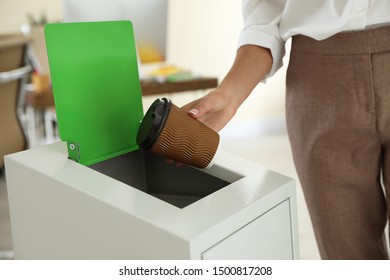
x=201 y=37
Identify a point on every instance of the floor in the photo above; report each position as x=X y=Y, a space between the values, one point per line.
x=272 y=150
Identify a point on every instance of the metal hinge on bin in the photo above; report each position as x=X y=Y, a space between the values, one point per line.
x=73 y=151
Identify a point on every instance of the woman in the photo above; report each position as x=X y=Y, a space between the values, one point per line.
x=338 y=109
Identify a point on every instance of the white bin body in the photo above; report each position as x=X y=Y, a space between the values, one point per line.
x=138 y=206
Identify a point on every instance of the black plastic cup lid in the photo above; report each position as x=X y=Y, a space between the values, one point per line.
x=153 y=123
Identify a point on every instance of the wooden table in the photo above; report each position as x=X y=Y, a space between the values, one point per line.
x=152 y=88
x=46 y=99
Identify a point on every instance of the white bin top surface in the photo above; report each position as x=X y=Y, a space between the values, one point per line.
x=256 y=191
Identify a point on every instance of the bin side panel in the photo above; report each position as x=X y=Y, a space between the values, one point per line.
x=267 y=237
x=51 y=220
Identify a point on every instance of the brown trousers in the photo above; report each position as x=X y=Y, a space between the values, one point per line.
x=338 y=119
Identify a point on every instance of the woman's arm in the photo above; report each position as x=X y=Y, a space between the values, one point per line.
x=217 y=108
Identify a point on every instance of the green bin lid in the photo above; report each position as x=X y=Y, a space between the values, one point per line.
x=96 y=87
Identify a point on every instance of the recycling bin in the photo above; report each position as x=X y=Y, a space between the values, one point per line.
x=96 y=195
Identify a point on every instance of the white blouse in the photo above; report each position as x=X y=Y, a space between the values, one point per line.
x=269 y=23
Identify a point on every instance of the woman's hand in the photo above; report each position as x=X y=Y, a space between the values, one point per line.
x=215 y=109
x=219 y=106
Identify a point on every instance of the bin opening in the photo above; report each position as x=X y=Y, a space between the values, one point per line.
x=152 y=174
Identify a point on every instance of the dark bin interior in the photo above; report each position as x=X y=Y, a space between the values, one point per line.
x=179 y=186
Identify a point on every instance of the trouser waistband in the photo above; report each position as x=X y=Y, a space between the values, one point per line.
x=354 y=42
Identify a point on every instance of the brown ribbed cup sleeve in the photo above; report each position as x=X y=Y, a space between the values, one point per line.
x=186 y=140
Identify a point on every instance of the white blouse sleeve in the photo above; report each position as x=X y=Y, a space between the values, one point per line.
x=261 y=28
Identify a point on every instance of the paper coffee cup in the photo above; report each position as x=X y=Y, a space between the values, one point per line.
x=168 y=131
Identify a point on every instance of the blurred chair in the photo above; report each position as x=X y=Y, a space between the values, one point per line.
x=13 y=71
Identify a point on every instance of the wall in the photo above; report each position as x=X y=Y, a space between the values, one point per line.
x=202 y=37
x=13 y=13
